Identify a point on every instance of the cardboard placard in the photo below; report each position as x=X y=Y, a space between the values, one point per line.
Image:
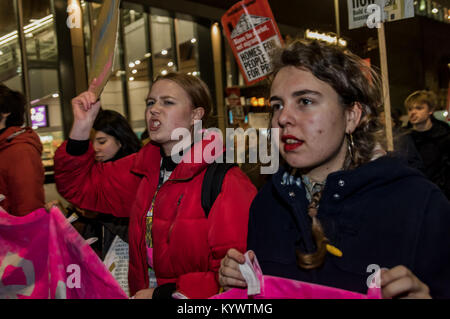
x=104 y=41
x=253 y=34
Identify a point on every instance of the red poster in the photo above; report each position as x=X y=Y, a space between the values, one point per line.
x=252 y=33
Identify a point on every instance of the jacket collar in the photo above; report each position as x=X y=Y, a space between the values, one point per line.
x=343 y=184
x=17 y=134
x=196 y=159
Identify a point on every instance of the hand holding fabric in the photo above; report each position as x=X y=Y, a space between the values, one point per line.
x=229 y=274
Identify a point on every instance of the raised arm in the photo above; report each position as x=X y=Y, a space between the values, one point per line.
x=103 y=187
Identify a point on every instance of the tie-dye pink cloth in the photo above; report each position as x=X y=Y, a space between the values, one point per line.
x=269 y=287
x=42 y=256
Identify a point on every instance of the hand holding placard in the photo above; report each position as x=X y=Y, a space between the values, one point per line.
x=85 y=108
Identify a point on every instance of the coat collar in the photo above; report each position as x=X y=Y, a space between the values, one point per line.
x=343 y=184
x=197 y=158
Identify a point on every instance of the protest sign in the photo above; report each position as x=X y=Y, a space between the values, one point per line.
x=104 y=40
x=116 y=260
x=252 y=33
x=359 y=11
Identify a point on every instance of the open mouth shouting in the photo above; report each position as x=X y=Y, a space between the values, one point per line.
x=154 y=125
x=291 y=142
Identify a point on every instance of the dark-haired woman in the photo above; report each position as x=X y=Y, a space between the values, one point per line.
x=339 y=204
x=113 y=139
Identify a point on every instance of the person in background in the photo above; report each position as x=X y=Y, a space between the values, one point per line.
x=339 y=204
x=431 y=138
x=113 y=139
x=404 y=147
x=21 y=169
x=171 y=238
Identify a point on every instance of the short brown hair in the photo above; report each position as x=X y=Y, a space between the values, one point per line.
x=422 y=97
x=196 y=89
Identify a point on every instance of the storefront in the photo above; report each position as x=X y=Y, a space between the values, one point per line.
x=45 y=53
x=49 y=61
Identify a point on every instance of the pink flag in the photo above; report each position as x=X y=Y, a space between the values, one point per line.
x=43 y=256
x=261 y=286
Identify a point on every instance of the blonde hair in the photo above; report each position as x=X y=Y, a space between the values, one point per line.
x=422 y=97
x=196 y=89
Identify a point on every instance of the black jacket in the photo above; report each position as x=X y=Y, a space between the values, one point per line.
x=434 y=148
x=381 y=213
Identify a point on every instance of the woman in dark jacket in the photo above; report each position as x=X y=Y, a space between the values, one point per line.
x=340 y=207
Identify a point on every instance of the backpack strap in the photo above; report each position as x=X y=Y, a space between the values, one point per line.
x=212 y=184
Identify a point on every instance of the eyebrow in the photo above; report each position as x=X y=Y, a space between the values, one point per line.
x=296 y=94
x=304 y=92
x=162 y=97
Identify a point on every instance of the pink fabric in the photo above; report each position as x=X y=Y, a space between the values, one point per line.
x=282 y=288
x=43 y=256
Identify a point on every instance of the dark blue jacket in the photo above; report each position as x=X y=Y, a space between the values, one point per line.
x=381 y=213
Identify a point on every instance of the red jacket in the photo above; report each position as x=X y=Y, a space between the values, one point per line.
x=21 y=171
x=187 y=247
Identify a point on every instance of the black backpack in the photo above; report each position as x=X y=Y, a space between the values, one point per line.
x=212 y=183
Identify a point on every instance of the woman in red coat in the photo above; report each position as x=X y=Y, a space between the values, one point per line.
x=21 y=170
x=168 y=232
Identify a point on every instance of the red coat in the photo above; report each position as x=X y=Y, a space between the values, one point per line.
x=21 y=171
x=188 y=247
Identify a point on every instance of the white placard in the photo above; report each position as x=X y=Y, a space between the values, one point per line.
x=390 y=10
x=116 y=260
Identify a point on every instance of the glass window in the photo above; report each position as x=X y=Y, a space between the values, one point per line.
x=40 y=36
x=187 y=46
x=42 y=55
x=137 y=63
x=163 y=52
x=10 y=58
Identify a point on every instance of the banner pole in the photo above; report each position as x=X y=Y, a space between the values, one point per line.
x=385 y=79
x=338 y=24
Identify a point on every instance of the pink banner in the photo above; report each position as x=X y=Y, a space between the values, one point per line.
x=261 y=286
x=42 y=256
